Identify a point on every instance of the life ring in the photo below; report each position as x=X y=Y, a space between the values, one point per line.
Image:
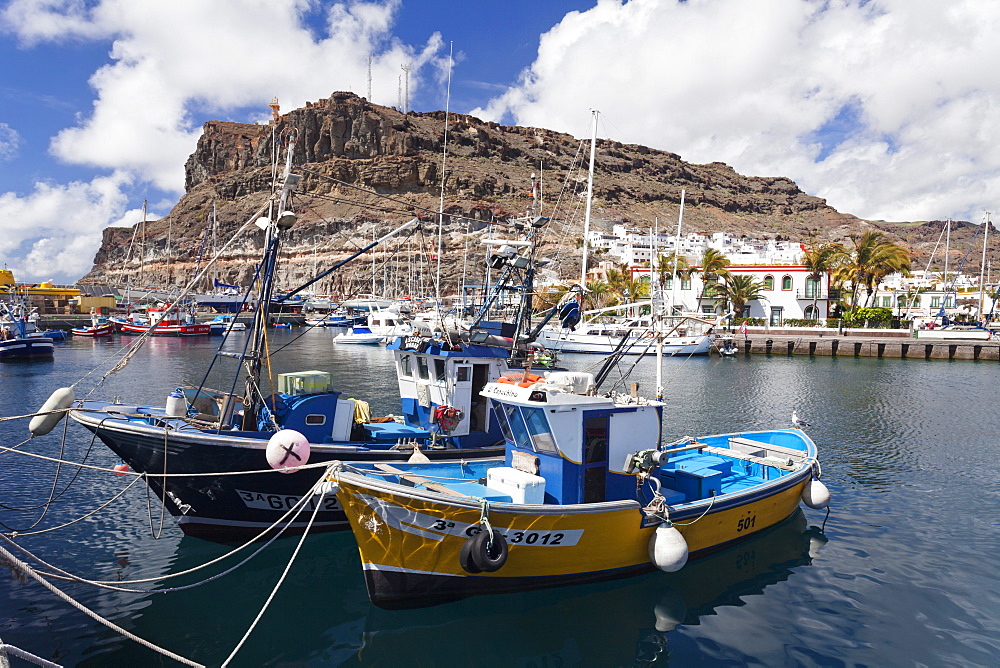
x=484 y=556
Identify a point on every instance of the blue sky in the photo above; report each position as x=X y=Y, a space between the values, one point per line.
x=887 y=108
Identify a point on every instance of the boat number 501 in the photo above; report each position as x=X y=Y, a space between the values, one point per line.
x=746 y=523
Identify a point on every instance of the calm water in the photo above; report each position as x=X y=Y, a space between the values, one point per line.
x=906 y=572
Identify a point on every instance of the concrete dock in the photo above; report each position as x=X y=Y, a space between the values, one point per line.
x=867 y=346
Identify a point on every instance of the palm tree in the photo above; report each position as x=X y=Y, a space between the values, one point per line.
x=737 y=290
x=713 y=266
x=820 y=260
x=598 y=295
x=874 y=257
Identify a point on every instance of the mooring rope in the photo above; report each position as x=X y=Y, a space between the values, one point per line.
x=314 y=490
x=24 y=568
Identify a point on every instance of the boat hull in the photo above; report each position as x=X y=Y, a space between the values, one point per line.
x=208 y=501
x=101 y=330
x=169 y=330
x=410 y=542
x=27 y=348
x=605 y=345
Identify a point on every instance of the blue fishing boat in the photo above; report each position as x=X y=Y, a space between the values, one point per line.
x=19 y=338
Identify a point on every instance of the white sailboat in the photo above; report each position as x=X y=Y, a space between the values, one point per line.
x=675 y=335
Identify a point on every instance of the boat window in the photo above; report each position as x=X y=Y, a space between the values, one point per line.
x=538 y=427
x=517 y=428
x=501 y=416
x=316 y=419
x=462 y=374
x=422 y=370
x=439 y=369
x=405 y=367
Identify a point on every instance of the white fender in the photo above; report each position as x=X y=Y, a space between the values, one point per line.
x=815 y=494
x=667 y=549
x=287 y=450
x=58 y=400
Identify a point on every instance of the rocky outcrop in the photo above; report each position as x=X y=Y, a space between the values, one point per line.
x=369 y=168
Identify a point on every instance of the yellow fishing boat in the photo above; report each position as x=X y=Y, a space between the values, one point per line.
x=586 y=491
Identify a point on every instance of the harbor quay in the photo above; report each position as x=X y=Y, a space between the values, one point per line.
x=901 y=345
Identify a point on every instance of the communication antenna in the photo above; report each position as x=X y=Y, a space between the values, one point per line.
x=369 y=78
x=399 y=92
x=406 y=70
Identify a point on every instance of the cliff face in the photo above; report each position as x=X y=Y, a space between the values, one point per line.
x=345 y=141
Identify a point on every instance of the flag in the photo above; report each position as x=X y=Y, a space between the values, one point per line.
x=743 y=329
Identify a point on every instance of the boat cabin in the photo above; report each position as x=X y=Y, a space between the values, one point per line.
x=435 y=374
x=579 y=443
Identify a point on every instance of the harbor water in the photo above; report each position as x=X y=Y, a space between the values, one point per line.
x=903 y=572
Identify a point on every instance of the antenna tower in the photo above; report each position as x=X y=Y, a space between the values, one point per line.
x=406 y=69
x=369 y=78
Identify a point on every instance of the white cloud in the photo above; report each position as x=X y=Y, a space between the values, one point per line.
x=753 y=85
x=10 y=140
x=53 y=232
x=173 y=64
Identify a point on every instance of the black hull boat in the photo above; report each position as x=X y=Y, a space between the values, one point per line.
x=219 y=487
x=232 y=464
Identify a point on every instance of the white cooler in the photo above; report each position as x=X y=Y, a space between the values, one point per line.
x=521 y=487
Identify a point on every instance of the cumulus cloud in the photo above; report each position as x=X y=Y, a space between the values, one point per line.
x=53 y=232
x=173 y=64
x=767 y=88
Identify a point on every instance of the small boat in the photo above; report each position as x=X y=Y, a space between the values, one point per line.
x=586 y=491
x=359 y=336
x=19 y=338
x=166 y=321
x=226 y=322
x=726 y=345
x=99 y=326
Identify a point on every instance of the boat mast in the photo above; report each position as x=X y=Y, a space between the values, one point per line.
x=253 y=397
x=982 y=267
x=590 y=197
x=677 y=249
x=444 y=163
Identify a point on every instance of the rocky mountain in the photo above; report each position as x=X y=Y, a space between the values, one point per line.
x=367 y=169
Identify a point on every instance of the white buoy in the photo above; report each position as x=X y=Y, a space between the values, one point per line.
x=57 y=401
x=417 y=457
x=667 y=549
x=815 y=494
x=176 y=404
x=287 y=450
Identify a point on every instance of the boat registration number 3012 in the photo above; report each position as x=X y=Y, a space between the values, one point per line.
x=262 y=501
x=564 y=538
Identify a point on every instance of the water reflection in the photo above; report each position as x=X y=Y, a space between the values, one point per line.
x=614 y=623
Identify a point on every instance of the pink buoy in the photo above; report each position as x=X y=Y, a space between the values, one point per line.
x=287 y=450
x=121 y=468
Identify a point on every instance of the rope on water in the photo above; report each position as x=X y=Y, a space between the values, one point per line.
x=24 y=568
x=26 y=656
x=292 y=513
x=288 y=567
x=101 y=507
